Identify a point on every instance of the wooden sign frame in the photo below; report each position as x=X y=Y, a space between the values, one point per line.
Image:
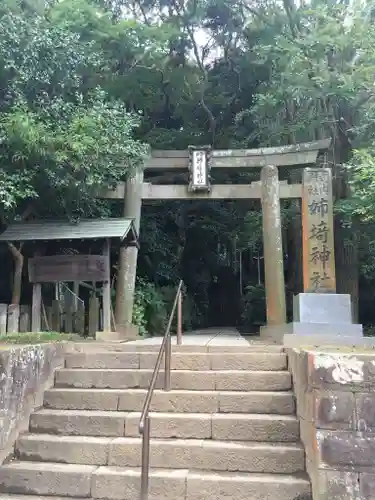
x=200 y=159
x=67 y=268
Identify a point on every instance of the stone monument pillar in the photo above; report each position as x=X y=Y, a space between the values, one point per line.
x=320 y=314
x=318 y=249
x=273 y=249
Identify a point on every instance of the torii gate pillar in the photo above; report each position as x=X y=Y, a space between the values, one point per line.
x=128 y=260
x=273 y=246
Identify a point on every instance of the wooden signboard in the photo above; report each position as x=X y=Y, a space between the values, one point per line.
x=317 y=230
x=199 y=168
x=68 y=268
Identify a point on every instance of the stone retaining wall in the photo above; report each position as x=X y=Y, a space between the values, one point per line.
x=335 y=395
x=25 y=372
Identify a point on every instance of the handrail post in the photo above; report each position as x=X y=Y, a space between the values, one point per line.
x=179 y=319
x=167 y=360
x=144 y=422
x=145 y=459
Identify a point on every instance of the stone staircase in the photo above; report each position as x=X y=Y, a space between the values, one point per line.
x=226 y=431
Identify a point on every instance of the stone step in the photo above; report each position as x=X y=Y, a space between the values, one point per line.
x=175 y=401
x=229 y=427
x=34 y=497
x=172 y=454
x=242 y=486
x=255 y=346
x=271 y=361
x=38 y=478
x=231 y=380
x=114 y=483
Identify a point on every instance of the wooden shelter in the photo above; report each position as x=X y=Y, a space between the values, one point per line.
x=74 y=268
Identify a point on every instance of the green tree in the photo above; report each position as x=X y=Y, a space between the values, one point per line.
x=84 y=83
x=320 y=61
x=62 y=137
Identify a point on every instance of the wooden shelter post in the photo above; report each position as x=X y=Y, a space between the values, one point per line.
x=273 y=246
x=107 y=288
x=128 y=255
x=36 y=305
x=36 y=308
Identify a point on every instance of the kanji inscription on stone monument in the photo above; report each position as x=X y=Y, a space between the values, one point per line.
x=317 y=231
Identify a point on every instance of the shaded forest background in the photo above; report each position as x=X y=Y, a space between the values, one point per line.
x=88 y=86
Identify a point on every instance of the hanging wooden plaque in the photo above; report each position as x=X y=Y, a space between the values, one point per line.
x=60 y=268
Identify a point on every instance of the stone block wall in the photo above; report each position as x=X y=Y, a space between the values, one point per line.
x=25 y=372
x=335 y=396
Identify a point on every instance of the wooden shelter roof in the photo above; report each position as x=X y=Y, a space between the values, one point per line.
x=85 y=229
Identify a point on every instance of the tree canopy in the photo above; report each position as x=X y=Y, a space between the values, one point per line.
x=63 y=135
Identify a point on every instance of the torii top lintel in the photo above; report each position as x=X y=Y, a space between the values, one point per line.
x=297 y=154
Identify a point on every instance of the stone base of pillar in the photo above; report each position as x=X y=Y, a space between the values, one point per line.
x=129 y=331
x=312 y=334
x=318 y=319
x=124 y=334
x=326 y=308
x=326 y=341
x=273 y=333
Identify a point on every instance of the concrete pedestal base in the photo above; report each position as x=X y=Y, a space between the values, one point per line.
x=130 y=332
x=291 y=340
x=317 y=318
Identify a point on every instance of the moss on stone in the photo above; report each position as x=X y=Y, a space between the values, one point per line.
x=39 y=338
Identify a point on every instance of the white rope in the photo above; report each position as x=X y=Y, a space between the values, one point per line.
x=64 y=287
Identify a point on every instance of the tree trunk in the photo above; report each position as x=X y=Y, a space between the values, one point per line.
x=17 y=273
x=347 y=267
x=346 y=239
x=295 y=278
x=18 y=259
x=294 y=244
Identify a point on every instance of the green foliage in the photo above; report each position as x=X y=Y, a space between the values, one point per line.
x=253 y=306
x=321 y=68
x=84 y=84
x=361 y=171
x=61 y=140
x=189 y=307
x=139 y=314
x=149 y=312
x=153 y=306
x=39 y=338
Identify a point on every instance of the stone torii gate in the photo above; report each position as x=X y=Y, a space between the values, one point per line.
x=198 y=161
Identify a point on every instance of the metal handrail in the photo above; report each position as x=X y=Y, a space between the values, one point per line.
x=144 y=423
